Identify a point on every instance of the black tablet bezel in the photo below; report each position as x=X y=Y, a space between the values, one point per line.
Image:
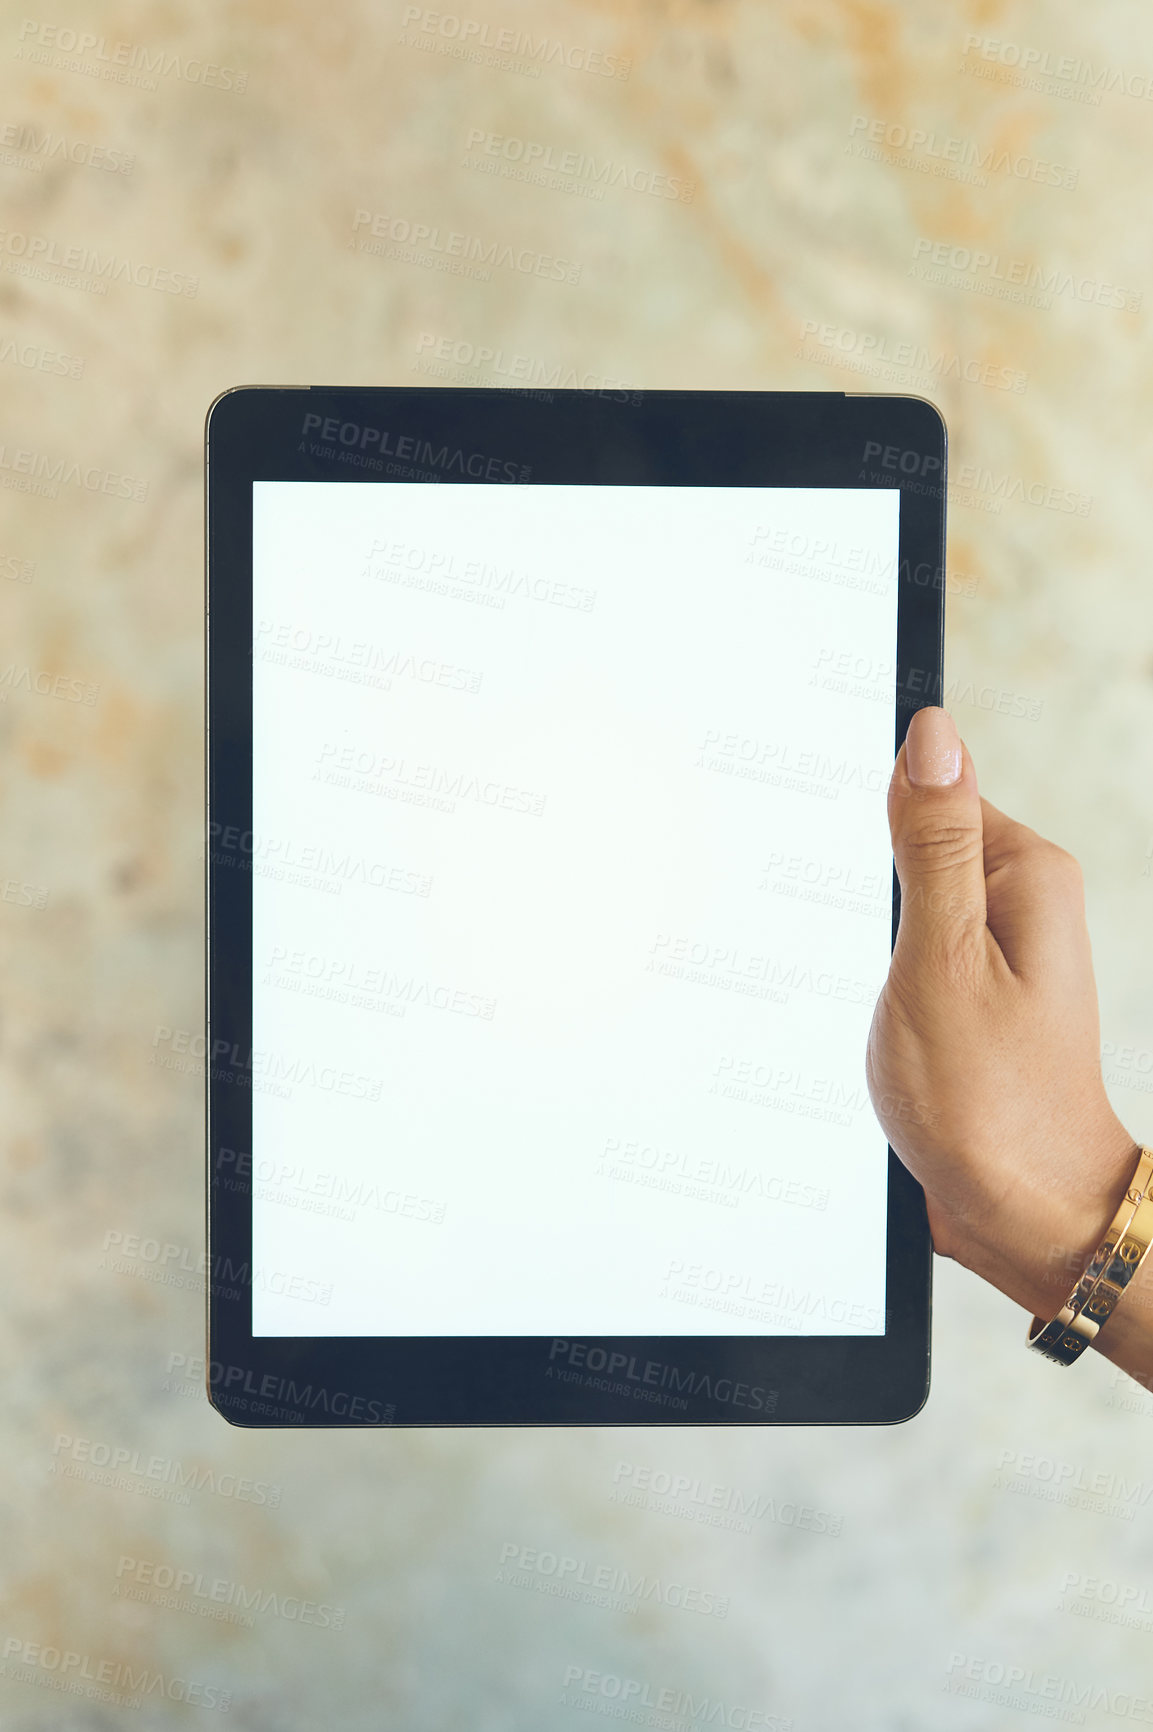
x=502 y=436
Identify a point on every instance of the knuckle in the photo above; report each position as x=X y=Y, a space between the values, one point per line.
x=1068 y=863
x=1062 y=867
x=938 y=844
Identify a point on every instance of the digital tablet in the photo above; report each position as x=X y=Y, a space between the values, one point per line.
x=549 y=896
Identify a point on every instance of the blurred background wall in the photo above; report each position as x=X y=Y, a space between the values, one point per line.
x=949 y=200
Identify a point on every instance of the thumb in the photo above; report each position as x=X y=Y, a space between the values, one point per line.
x=938 y=838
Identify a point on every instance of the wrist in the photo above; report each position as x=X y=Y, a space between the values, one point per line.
x=1039 y=1261
x=1037 y=1242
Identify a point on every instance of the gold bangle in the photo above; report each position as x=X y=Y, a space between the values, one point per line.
x=1126 y=1211
x=1109 y=1272
x=1127 y=1259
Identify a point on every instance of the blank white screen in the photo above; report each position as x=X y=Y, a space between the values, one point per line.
x=571 y=903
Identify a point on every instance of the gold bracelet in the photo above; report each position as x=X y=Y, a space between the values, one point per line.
x=1112 y=1267
x=1120 y=1224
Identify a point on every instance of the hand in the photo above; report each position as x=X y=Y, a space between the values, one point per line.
x=983 y=1060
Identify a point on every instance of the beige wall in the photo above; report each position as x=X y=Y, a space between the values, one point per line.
x=803 y=248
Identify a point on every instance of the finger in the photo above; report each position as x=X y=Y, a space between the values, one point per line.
x=1035 y=902
x=937 y=828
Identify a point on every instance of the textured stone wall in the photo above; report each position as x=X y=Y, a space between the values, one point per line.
x=947 y=200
